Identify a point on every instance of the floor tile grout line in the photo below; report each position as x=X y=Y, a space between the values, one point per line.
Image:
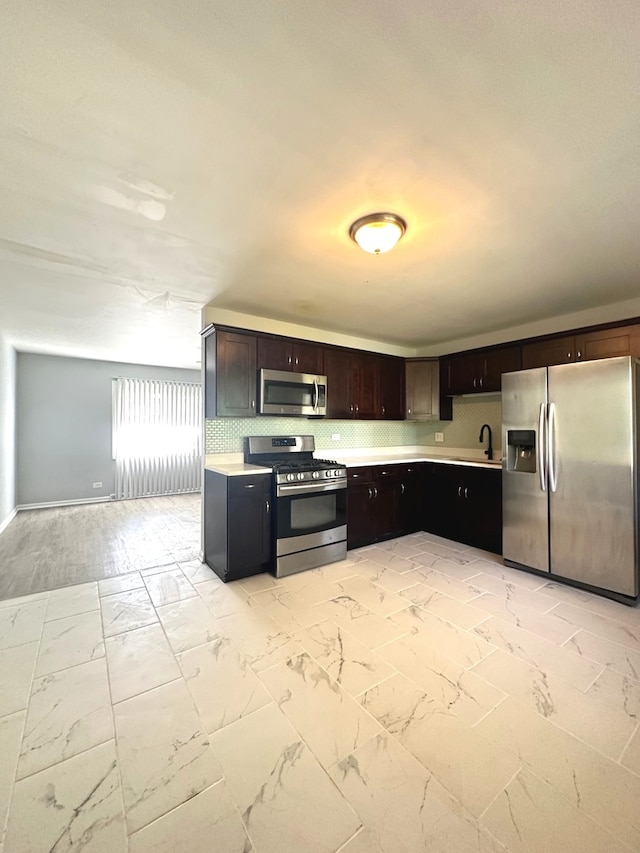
x=15 y=780
x=605 y=639
x=566 y=731
x=499 y=794
x=563 y=796
x=591 y=683
x=115 y=737
x=626 y=746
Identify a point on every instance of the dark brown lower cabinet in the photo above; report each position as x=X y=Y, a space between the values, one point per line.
x=464 y=504
x=382 y=502
x=237 y=524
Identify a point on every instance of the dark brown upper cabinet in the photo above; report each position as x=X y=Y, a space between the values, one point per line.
x=288 y=354
x=582 y=346
x=478 y=371
x=363 y=385
x=391 y=388
x=230 y=374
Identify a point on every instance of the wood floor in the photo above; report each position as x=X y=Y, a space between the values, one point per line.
x=45 y=549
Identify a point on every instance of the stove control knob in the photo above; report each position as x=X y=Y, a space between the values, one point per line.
x=315 y=475
x=289 y=476
x=300 y=476
x=336 y=473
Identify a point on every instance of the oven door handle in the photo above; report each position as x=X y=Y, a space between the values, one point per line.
x=332 y=486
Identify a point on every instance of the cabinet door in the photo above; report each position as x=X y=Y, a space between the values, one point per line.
x=483 y=508
x=359 y=513
x=447 y=496
x=249 y=536
x=608 y=343
x=338 y=370
x=463 y=373
x=391 y=382
x=386 y=507
x=497 y=362
x=274 y=354
x=364 y=377
x=411 y=499
x=210 y=377
x=235 y=375
x=422 y=390
x=307 y=357
x=545 y=353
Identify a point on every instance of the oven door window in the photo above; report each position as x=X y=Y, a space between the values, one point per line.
x=311 y=513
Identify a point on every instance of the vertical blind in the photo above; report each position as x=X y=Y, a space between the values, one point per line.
x=157 y=437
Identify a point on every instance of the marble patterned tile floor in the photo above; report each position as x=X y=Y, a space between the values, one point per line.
x=418 y=696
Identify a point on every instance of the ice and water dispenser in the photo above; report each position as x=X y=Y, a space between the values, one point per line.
x=521 y=450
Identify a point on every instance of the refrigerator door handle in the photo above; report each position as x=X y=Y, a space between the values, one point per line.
x=551 y=447
x=540 y=447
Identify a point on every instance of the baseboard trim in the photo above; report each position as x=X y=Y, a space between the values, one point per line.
x=4 y=524
x=51 y=504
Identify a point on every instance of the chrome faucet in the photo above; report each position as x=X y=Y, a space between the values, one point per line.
x=489 y=451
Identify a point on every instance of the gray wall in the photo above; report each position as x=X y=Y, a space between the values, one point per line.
x=7 y=429
x=63 y=424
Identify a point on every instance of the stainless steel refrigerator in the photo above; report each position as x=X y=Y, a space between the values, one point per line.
x=570 y=473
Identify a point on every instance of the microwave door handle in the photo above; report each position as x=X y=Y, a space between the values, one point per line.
x=316 y=395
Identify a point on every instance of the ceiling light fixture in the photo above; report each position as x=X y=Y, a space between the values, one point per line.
x=377 y=232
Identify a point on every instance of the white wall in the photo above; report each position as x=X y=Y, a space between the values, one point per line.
x=7 y=430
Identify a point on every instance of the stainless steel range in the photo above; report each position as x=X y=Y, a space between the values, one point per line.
x=310 y=502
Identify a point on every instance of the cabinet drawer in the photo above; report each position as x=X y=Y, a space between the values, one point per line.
x=392 y=470
x=359 y=474
x=248 y=485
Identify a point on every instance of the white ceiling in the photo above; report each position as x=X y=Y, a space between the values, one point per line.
x=159 y=156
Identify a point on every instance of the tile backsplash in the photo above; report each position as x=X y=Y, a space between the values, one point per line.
x=225 y=435
x=469 y=413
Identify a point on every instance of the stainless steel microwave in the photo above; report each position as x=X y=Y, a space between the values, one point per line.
x=284 y=393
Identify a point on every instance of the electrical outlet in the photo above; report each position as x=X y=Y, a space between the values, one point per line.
x=439 y=436
x=97 y=485
x=335 y=436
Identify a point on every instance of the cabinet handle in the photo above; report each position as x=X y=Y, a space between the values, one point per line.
x=402 y=488
x=375 y=491
x=466 y=492
x=370 y=493
x=383 y=410
x=268 y=506
x=296 y=359
x=481 y=381
x=408 y=411
x=568 y=355
x=357 y=410
x=459 y=491
x=350 y=408
x=250 y=486
x=579 y=354
x=474 y=382
x=289 y=360
x=253 y=404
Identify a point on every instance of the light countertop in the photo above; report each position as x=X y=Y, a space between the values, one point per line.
x=231 y=464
